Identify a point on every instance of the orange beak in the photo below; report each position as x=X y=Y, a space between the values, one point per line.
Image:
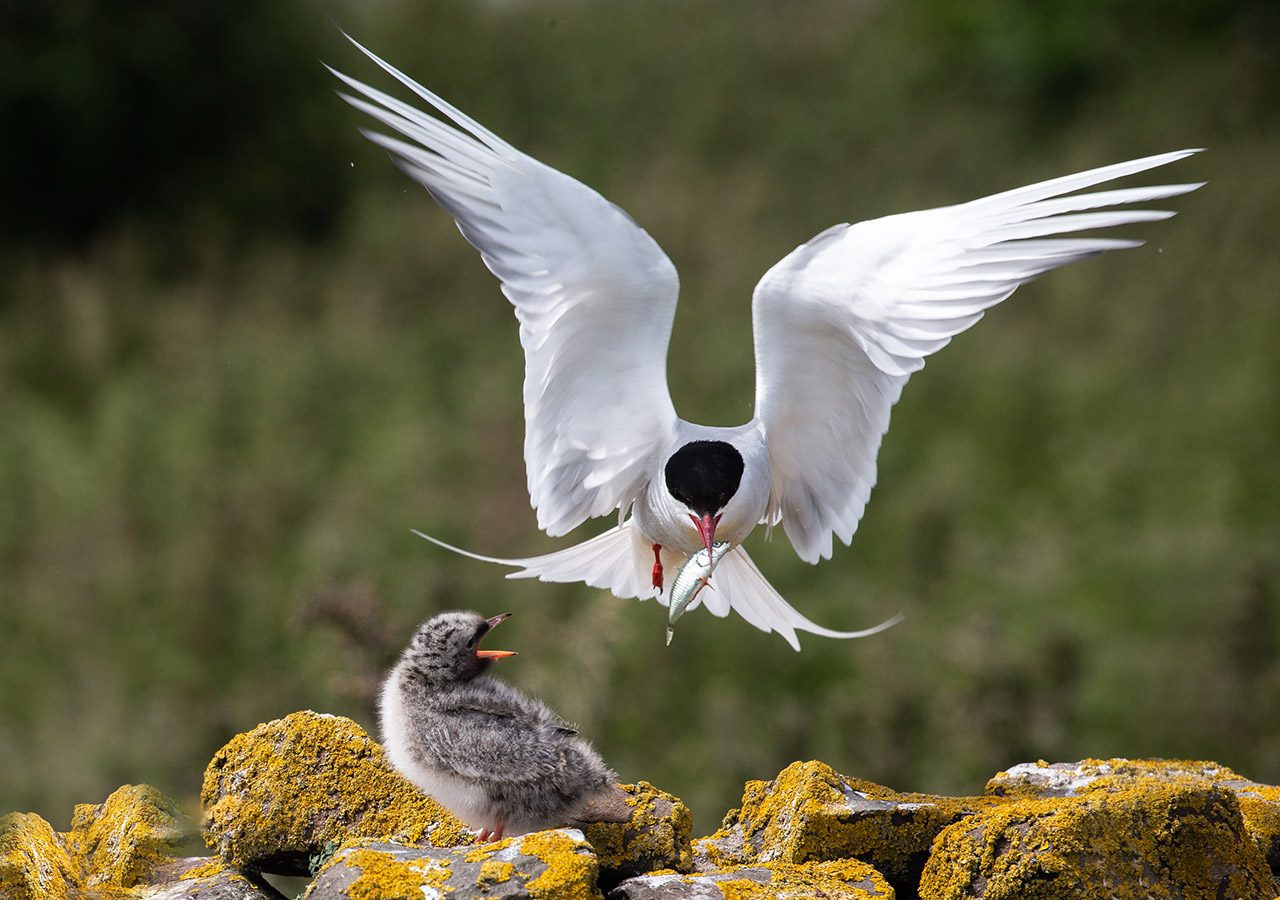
x=495 y=654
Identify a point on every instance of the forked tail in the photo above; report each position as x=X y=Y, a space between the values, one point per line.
x=617 y=560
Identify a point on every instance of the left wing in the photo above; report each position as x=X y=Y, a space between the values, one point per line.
x=594 y=294
x=842 y=322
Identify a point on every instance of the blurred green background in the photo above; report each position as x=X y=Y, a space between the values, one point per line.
x=241 y=356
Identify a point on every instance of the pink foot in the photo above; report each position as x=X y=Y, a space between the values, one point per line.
x=485 y=835
x=657 y=566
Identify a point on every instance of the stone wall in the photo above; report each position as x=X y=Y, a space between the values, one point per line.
x=313 y=795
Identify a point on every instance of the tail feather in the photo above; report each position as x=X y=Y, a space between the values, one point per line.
x=753 y=598
x=618 y=561
x=605 y=561
x=608 y=804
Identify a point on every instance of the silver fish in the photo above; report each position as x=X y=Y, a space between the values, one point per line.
x=693 y=576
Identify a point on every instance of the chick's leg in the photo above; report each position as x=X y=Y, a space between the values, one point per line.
x=486 y=834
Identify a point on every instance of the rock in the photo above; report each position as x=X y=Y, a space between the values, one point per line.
x=112 y=848
x=546 y=865
x=837 y=880
x=812 y=813
x=277 y=796
x=34 y=862
x=1259 y=803
x=205 y=878
x=124 y=840
x=1177 y=838
x=656 y=837
x=1041 y=779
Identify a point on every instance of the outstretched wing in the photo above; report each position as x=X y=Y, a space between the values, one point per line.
x=842 y=321
x=593 y=292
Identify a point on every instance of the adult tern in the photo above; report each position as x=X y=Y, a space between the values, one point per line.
x=839 y=324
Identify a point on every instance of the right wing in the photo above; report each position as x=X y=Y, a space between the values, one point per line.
x=843 y=321
x=593 y=292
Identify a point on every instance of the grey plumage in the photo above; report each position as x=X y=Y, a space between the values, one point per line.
x=498 y=759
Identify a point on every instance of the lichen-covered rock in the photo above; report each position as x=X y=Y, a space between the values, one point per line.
x=1259 y=803
x=546 y=865
x=1042 y=779
x=34 y=862
x=112 y=850
x=1164 y=839
x=835 y=880
x=278 y=795
x=656 y=837
x=122 y=842
x=810 y=813
x=205 y=878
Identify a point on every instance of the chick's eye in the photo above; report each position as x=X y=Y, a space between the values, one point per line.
x=475 y=640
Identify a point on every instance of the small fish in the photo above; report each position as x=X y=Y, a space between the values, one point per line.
x=693 y=576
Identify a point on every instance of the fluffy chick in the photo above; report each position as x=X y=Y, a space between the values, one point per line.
x=496 y=758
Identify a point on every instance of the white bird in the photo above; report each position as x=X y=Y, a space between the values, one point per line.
x=839 y=324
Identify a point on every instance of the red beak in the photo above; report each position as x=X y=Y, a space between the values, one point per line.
x=706 y=525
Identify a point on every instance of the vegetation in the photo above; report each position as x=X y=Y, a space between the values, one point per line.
x=239 y=363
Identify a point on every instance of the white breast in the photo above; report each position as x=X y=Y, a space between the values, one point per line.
x=463 y=798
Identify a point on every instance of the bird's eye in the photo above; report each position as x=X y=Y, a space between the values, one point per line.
x=475 y=640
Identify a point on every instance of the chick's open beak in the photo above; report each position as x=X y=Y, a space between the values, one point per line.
x=495 y=654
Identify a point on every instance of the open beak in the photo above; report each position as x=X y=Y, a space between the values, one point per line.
x=706 y=525
x=495 y=654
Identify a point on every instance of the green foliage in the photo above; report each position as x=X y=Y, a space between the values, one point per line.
x=164 y=110
x=215 y=443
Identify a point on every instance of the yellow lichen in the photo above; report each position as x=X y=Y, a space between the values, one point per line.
x=34 y=863
x=1088 y=774
x=208 y=869
x=844 y=878
x=289 y=787
x=1259 y=804
x=122 y=841
x=1154 y=839
x=383 y=877
x=833 y=878
x=112 y=847
x=494 y=871
x=1260 y=807
x=804 y=815
x=571 y=871
x=484 y=851
x=656 y=836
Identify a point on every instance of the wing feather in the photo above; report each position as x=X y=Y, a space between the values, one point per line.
x=842 y=322
x=594 y=295
x=467 y=740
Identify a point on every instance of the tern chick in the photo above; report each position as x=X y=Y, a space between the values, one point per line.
x=496 y=758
